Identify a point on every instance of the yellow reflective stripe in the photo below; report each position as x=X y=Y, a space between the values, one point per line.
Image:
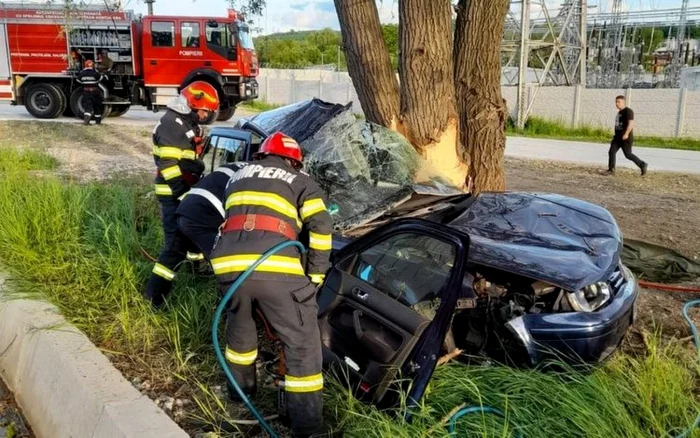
x=303 y=384
x=311 y=207
x=173 y=152
x=241 y=358
x=164 y=272
x=194 y=257
x=163 y=189
x=317 y=278
x=167 y=152
x=239 y=263
x=263 y=199
x=321 y=242
x=171 y=172
x=189 y=155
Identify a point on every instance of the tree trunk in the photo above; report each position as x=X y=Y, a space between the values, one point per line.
x=429 y=117
x=368 y=61
x=477 y=58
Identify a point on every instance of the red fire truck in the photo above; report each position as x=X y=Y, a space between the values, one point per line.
x=151 y=58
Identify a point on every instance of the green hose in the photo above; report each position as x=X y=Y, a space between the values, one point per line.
x=215 y=325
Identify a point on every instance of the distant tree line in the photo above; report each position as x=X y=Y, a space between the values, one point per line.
x=309 y=48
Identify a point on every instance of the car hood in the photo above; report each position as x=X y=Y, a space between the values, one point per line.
x=563 y=241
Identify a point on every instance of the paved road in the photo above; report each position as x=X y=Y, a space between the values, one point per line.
x=597 y=154
x=135 y=116
x=557 y=150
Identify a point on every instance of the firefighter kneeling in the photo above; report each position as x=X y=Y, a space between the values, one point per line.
x=267 y=203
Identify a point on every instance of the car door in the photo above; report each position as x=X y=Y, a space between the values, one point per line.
x=387 y=303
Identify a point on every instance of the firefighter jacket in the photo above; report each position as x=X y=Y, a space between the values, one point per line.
x=204 y=203
x=88 y=77
x=271 y=188
x=179 y=168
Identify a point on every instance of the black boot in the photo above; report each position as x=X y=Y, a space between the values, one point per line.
x=245 y=377
x=98 y=120
x=86 y=118
x=157 y=289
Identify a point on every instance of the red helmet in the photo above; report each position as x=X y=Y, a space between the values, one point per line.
x=89 y=64
x=201 y=95
x=282 y=146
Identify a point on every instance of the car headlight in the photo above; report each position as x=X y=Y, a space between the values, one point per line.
x=590 y=297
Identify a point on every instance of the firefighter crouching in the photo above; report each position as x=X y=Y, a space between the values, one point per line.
x=267 y=203
x=176 y=150
x=90 y=79
x=201 y=211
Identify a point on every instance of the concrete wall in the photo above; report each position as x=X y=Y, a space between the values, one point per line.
x=657 y=111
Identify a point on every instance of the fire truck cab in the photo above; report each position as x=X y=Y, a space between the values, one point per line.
x=145 y=60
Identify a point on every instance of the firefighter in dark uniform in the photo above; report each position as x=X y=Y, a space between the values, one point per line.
x=176 y=152
x=201 y=211
x=267 y=203
x=90 y=79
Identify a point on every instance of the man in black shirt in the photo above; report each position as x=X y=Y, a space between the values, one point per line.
x=623 y=138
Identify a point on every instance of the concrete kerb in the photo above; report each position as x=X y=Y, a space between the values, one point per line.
x=64 y=385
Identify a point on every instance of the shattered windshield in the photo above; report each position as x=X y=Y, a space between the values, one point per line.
x=365 y=169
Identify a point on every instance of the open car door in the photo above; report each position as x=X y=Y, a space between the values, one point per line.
x=386 y=306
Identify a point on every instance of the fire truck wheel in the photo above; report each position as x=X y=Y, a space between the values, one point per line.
x=76 y=104
x=118 y=111
x=209 y=120
x=45 y=101
x=226 y=114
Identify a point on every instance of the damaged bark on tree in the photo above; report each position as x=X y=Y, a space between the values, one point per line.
x=368 y=61
x=428 y=115
x=477 y=57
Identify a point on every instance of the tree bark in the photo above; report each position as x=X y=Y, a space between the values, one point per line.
x=428 y=116
x=368 y=61
x=477 y=52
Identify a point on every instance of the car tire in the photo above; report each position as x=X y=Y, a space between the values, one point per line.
x=76 y=105
x=45 y=101
x=226 y=114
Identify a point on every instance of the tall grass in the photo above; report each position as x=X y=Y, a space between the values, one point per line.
x=541 y=128
x=26 y=159
x=79 y=247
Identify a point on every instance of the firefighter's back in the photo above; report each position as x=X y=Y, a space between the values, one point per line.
x=264 y=196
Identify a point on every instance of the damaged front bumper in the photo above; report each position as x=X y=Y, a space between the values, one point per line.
x=579 y=336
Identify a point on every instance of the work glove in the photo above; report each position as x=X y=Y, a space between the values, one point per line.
x=317 y=280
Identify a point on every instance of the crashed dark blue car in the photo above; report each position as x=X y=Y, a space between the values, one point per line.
x=420 y=268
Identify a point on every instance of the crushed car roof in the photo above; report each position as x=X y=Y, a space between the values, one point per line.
x=364 y=168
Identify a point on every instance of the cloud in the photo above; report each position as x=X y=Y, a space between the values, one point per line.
x=325 y=6
x=299 y=6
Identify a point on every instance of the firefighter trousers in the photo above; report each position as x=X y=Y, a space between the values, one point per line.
x=290 y=307
x=200 y=234
x=92 y=104
x=176 y=247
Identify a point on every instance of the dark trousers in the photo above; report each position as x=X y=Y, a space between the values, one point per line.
x=175 y=248
x=92 y=103
x=626 y=146
x=291 y=309
x=202 y=236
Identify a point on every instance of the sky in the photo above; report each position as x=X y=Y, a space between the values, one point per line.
x=286 y=15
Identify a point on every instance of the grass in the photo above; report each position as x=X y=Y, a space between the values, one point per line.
x=259 y=106
x=26 y=159
x=541 y=128
x=78 y=246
